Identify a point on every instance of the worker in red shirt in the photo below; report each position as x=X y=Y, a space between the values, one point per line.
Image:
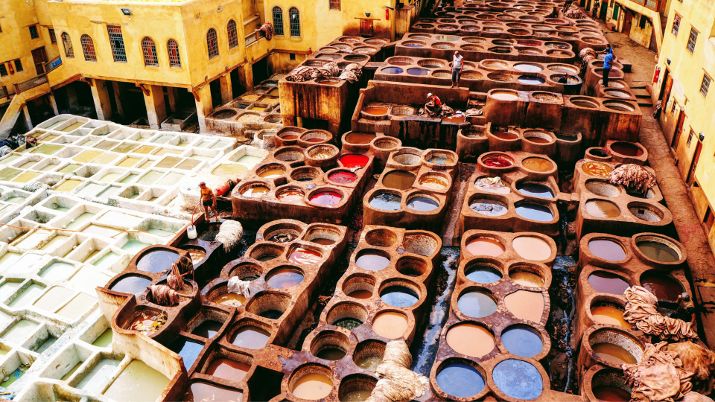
x=433 y=104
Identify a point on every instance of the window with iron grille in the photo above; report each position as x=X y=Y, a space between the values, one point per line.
x=116 y=42
x=334 y=4
x=277 y=20
x=34 y=34
x=294 y=20
x=3 y=70
x=173 y=48
x=88 y=48
x=676 y=24
x=18 y=65
x=212 y=43
x=705 y=85
x=232 y=34
x=67 y=44
x=53 y=37
x=149 y=52
x=692 y=40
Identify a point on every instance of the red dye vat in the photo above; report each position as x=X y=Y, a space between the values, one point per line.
x=497 y=161
x=353 y=160
x=342 y=177
x=326 y=198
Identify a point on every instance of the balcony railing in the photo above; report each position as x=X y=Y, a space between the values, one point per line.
x=655 y=5
x=53 y=64
x=31 y=83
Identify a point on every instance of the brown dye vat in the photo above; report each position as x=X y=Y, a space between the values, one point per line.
x=526 y=278
x=525 y=305
x=200 y=391
x=485 y=246
x=228 y=369
x=602 y=209
x=662 y=285
x=399 y=180
x=390 y=324
x=531 y=248
x=613 y=353
x=470 y=339
x=250 y=337
x=609 y=314
x=312 y=385
x=538 y=164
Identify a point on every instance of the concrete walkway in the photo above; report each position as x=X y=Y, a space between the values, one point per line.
x=690 y=230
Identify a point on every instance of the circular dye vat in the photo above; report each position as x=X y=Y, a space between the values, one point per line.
x=372 y=261
x=483 y=274
x=284 y=278
x=385 y=201
x=525 y=277
x=602 y=209
x=326 y=198
x=417 y=71
x=460 y=379
x=530 y=80
x=476 y=304
x=377 y=110
x=359 y=138
x=504 y=96
x=291 y=195
x=470 y=339
x=391 y=70
x=342 y=177
x=613 y=353
x=230 y=299
x=597 y=169
x=609 y=314
x=606 y=282
x=608 y=385
x=250 y=337
x=534 y=212
x=353 y=161
x=390 y=324
x=398 y=180
x=658 y=251
x=627 y=148
x=256 y=191
x=518 y=379
x=207 y=329
x=663 y=286
x=497 y=161
x=434 y=182
x=348 y=323
x=531 y=248
x=330 y=352
x=157 y=261
x=312 y=386
x=522 y=340
x=196 y=254
x=485 y=246
x=231 y=370
x=525 y=305
x=271 y=171
x=528 y=68
x=534 y=189
x=537 y=164
x=131 y=284
x=203 y=391
x=305 y=256
x=606 y=249
x=422 y=203
x=488 y=207
x=399 y=296
x=505 y=135
x=602 y=188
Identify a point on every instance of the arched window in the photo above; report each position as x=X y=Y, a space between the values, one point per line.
x=232 y=34
x=278 y=20
x=88 y=48
x=173 y=48
x=67 y=43
x=212 y=43
x=294 y=18
x=149 y=51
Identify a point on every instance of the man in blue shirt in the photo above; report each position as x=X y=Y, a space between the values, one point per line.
x=607 y=64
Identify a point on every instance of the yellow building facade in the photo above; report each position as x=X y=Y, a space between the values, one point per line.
x=686 y=67
x=139 y=62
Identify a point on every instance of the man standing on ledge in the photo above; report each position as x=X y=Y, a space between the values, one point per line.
x=607 y=64
x=456 y=68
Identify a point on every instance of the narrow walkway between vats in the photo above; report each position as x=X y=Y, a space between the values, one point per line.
x=672 y=184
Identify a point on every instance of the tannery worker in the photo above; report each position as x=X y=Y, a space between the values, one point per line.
x=433 y=104
x=607 y=64
x=456 y=68
x=208 y=201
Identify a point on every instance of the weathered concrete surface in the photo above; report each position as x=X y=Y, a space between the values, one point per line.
x=686 y=221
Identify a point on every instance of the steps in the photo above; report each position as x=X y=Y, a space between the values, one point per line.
x=642 y=92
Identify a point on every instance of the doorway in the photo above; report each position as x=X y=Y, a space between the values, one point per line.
x=39 y=58
x=604 y=10
x=261 y=71
x=215 y=87
x=694 y=163
x=678 y=130
x=666 y=88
